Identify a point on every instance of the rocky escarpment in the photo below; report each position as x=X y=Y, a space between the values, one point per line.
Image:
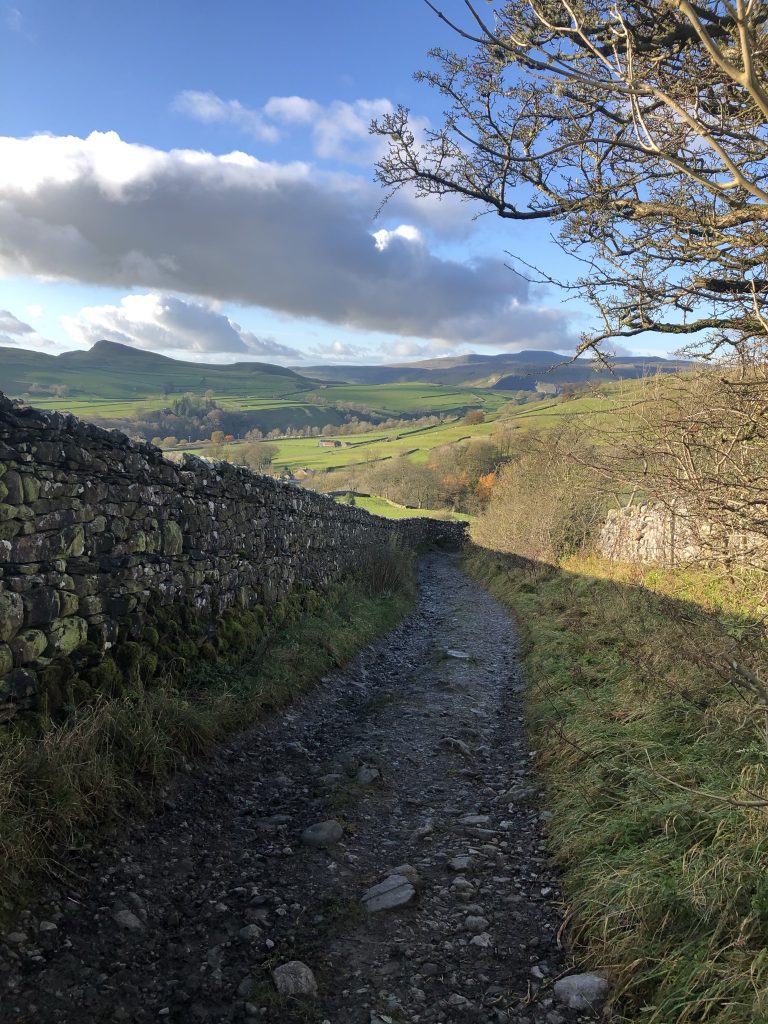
x=112 y=556
x=654 y=534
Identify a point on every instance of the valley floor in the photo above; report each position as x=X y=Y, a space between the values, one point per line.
x=418 y=751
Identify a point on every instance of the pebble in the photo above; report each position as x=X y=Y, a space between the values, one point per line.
x=581 y=991
x=366 y=775
x=128 y=920
x=322 y=834
x=461 y=863
x=294 y=979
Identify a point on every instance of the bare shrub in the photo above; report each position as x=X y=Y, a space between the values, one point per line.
x=387 y=570
x=696 y=446
x=546 y=504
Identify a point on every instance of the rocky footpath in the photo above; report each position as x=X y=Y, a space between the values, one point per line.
x=373 y=855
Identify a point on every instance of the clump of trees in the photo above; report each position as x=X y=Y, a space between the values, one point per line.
x=458 y=477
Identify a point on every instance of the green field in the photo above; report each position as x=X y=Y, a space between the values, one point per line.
x=410 y=398
x=306 y=452
x=355 y=449
x=390 y=510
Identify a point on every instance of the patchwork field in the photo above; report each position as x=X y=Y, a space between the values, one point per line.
x=535 y=415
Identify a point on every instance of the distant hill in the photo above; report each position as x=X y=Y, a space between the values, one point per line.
x=510 y=371
x=111 y=371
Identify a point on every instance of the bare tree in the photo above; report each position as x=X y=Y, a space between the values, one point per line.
x=639 y=128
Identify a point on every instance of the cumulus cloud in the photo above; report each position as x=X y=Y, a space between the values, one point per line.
x=15 y=332
x=383 y=237
x=10 y=324
x=343 y=352
x=209 y=108
x=281 y=236
x=155 y=322
x=339 y=130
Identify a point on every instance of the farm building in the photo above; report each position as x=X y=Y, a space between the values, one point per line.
x=330 y=444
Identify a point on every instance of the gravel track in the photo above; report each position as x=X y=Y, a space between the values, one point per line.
x=418 y=751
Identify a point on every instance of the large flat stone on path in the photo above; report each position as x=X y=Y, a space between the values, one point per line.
x=395 y=891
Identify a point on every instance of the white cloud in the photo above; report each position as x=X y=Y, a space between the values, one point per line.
x=10 y=324
x=14 y=19
x=210 y=109
x=292 y=109
x=167 y=322
x=383 y=237
x=343 y=352
x=15 y=332
x=284 y=237
x=340 y=130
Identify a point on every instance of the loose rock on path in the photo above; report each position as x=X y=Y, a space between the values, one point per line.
x=282 y=883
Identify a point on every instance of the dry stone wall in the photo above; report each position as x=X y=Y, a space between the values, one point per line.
x=98 y=533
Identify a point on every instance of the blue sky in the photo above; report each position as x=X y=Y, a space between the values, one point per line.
x=196 y=179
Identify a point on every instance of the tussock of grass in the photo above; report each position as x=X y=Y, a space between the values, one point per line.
x=62 y=780
x=647 y=750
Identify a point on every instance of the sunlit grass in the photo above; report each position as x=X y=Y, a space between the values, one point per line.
x=651 y=760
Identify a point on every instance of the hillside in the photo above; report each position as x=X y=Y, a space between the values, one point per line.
x=109 y=370
x=510 y=371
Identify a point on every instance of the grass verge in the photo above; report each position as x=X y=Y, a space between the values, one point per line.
x=62 y=780
x=655 y=761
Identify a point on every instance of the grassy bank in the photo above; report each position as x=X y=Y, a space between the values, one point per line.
x=654 y=759
x=63 y=779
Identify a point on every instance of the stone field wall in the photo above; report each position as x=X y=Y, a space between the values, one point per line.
x=99 y=536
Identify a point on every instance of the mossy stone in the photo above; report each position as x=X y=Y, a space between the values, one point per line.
x=11 y=614
x=28 y=645
x=106 y=677
x=73 y=540
x=138 y=542
x=31 y=487
x=150 y=636
x=68 y=603
x=173 y=539
x=6 y=659
x=66 y=635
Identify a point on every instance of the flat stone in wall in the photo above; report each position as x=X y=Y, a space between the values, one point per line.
x=96 y=532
